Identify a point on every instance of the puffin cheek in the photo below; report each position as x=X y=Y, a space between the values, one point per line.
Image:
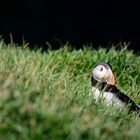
x=98 y=75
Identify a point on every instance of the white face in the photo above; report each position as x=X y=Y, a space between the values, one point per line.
x=99 y=73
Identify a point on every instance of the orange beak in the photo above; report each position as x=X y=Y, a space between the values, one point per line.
x=109 y=81
x=112 y=80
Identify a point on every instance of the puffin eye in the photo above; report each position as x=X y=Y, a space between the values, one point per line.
x=101 y=69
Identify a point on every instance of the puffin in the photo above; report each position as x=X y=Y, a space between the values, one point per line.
x=104 y=87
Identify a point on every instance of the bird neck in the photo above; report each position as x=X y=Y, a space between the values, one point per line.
x=101 y=85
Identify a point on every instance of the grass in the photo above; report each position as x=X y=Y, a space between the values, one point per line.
x=48 y=95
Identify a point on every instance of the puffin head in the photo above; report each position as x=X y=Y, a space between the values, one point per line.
x=102 y=72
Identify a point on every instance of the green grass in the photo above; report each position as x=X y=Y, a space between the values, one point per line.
x=48 y=95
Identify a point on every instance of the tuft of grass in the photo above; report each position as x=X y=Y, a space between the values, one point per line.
x=48 y=95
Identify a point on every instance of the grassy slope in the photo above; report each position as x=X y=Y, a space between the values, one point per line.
x=47 y=95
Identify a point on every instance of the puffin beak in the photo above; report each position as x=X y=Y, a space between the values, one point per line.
x=109 y=78
x=112 y=80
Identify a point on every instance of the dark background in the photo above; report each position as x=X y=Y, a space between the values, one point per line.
x=100 y=22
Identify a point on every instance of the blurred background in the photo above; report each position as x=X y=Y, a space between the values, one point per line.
x=100 y=22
